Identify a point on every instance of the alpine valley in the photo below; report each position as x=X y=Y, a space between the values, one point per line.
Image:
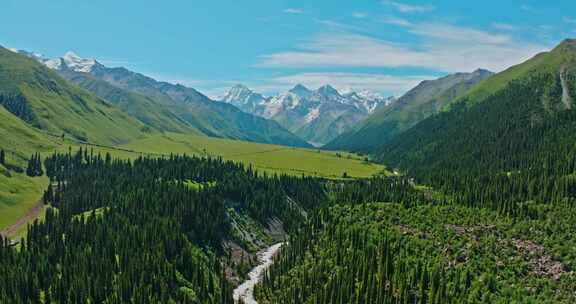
x=116 y=187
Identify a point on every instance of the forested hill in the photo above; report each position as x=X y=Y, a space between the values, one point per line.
x=509 y=140
x=147 y=231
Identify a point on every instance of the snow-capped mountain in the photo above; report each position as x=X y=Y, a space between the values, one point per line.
x=315 y=115
x=243 y=98
x=70 y=61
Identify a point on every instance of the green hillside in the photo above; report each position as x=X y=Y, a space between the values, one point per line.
x=509 y=140
x=424 y=100
x=18 y=192
x=45 y=100
x=144 y=108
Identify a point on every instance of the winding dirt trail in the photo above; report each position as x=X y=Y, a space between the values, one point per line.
x=245 y=291
x=30 y=215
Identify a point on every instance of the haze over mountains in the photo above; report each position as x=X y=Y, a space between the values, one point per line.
x=317 y=116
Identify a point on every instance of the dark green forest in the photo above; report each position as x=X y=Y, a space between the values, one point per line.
x=517 y=146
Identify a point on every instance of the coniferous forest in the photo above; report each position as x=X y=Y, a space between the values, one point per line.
x=122 y=231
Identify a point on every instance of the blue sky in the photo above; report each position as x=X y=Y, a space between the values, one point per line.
x=382 y=45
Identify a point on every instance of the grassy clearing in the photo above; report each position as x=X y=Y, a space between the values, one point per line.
x=18 y=194
x=268 y=158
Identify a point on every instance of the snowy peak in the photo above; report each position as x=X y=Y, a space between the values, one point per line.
x=77 y=63
x=237 y=93
x=69 y=61
x=301 y=91
x=243 y=98
x=327 y=90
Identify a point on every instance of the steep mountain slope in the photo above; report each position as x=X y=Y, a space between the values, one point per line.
x=169 y=107
x=43 y=99
x=515 y=131
x=419 y=103
x=317 y=116
x=142 y=107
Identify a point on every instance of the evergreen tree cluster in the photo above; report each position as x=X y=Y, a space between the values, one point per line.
x=34 y=167
x=393 y=253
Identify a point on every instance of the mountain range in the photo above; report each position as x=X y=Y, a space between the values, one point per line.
x=316 y=116
x=164 y=106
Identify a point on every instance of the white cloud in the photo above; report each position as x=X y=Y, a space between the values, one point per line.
x=503 y=26
x=409 y=8
x=569 y=20
x=359 y=15
x=447 y=32
x=337 y=26
x=441 y=47
x=528 y=8
x=396 y=21
x=296 y=11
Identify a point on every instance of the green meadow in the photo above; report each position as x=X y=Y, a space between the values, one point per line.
x=264 y=157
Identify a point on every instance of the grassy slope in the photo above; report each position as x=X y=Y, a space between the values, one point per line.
x=543 y=62
x=60 y=107
x=19 y=192
x=141 y=107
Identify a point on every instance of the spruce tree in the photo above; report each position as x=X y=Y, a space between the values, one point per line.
x=2 y=157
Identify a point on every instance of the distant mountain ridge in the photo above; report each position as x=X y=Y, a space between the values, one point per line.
x=426 y=99
x=165 y=106
x=315 y=115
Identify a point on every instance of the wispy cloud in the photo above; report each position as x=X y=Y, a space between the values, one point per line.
x=338 y=26
x=441 y=47
x=396 y=21
x=503 y=26
x=359 y=15
x=528 y=8
x=295 y=11
x=569 y=20
x=409 y=8
x=451 y=33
